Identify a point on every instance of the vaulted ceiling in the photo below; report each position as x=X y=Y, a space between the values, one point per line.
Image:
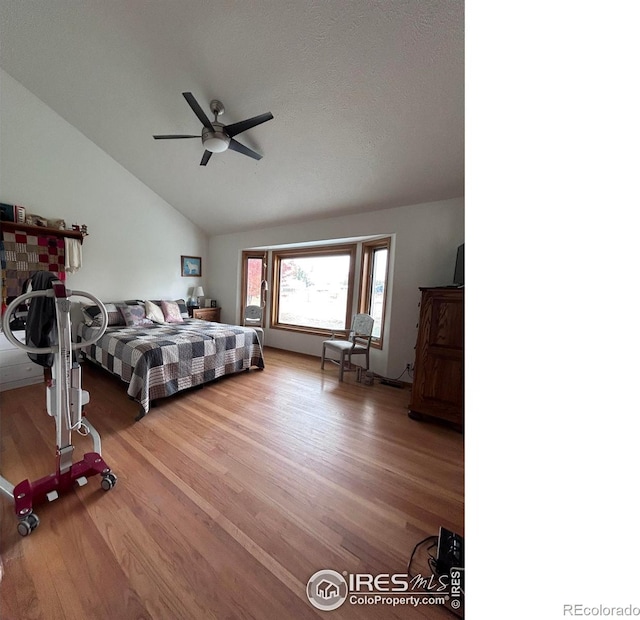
x=367 y=97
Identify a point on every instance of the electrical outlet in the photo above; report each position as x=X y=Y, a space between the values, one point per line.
x=409 y=366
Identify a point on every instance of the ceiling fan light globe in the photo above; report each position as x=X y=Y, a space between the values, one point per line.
x=217 y=143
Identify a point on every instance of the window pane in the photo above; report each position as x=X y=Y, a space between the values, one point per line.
x=377 y=288
x=254 y=279
x=314 y=291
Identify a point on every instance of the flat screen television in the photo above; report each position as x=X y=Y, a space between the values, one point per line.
x=458 y=275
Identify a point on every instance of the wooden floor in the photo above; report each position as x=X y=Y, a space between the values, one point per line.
x=228 y=498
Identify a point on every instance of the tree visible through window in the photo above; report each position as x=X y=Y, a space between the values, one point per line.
x=314 y=288
x=253 y=274
x=254 y=280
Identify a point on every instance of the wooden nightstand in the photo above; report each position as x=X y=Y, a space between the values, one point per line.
x=207 y=314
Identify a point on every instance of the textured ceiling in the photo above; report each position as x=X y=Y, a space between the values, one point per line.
x=368 y=97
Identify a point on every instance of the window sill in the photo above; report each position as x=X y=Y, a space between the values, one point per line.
x=311 y=331
x=338 y=334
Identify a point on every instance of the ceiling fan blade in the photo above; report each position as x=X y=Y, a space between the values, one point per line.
x=235 y=128
x=205 y=158
x=234 y=145
x=199 y=112
x=176 y=137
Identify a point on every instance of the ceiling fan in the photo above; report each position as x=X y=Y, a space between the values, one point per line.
x=216 y=137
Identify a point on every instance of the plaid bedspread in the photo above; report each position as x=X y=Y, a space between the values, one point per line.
x=160 y=360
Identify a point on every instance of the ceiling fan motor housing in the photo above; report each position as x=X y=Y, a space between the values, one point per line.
x=216 y=141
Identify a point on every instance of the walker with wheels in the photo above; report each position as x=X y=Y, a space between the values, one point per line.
x=64 y=399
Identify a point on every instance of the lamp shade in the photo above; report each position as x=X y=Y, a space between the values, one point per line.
x=198 y=292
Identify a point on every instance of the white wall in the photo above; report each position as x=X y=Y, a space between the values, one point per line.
x=426 y=238
x=135 y=238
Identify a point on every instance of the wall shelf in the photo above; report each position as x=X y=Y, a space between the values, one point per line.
x=42 y=230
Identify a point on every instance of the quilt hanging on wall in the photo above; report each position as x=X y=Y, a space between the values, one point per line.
x=22 y=254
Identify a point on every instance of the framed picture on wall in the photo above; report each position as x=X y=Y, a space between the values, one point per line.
x=191 y=266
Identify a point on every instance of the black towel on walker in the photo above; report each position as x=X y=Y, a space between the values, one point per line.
x=41 y=330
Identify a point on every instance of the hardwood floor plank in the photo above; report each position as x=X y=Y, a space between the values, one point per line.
x=229 y=497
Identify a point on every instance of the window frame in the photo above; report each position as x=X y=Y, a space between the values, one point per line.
x=325 y=250
x=366 y=280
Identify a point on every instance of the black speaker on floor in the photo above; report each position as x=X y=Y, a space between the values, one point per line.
x=450 y=552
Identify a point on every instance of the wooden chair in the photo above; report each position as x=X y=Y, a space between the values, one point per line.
x=358 y=343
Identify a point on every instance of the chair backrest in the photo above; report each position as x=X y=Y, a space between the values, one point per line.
x=361 y=330
x=253 y=315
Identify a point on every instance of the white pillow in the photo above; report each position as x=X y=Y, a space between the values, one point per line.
x=153 y=312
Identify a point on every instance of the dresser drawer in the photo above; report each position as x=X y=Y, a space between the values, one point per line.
x=5 y=345
x=207 y=314
x=16 y=369
x=12 y=385
x=13 y=357
x=19 y=375
x=20 y=371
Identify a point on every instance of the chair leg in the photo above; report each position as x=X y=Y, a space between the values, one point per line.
x=322 y=362
x=341 y=366
x=367 y=360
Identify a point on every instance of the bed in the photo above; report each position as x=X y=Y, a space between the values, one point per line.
x=159 y=360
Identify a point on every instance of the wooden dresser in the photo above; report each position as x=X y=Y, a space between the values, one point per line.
x=438 y=381
x=207 y=314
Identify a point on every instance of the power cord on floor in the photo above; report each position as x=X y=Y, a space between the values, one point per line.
x=406 y=370
x=432 y=542
x=397 y=381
